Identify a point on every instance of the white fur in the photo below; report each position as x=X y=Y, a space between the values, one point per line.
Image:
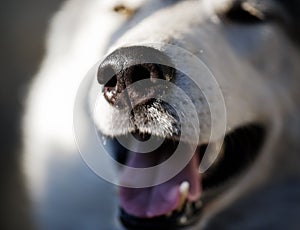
x=252 y=58
x=78 y=37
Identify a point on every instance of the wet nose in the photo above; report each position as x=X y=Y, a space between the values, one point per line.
x=128 y=65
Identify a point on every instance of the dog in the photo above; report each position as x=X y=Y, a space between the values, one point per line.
x=218 y=74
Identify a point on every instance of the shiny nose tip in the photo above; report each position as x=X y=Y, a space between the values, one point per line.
x=128 y=65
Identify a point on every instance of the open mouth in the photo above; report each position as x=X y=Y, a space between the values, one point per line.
x=179 y=202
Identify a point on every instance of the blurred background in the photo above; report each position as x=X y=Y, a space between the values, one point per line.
x=23 y=27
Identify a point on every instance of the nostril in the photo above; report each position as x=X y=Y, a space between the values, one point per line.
x=112 y=82
x=139 y=72
x=107 y=76
x=129 y=65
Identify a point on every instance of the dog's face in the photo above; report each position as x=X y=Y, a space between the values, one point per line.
x=248 y=53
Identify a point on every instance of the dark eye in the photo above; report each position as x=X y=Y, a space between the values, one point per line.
x=244 y=13
x=123 y=10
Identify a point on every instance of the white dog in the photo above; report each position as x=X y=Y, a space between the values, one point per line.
x=237 y=61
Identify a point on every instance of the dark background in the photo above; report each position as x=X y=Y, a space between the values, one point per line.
x=23 y=25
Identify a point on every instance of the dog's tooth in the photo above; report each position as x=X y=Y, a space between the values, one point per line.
x=184 y=191
x=184 y=187
x=183 y=220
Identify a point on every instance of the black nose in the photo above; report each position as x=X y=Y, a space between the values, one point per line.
x=128 y=65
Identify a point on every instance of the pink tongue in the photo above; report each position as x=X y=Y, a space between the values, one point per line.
x=161 y=199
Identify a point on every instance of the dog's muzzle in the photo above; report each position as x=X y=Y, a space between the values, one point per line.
x=120 y=74
x=179 y=201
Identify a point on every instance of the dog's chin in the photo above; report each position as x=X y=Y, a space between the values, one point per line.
x=180 y=201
